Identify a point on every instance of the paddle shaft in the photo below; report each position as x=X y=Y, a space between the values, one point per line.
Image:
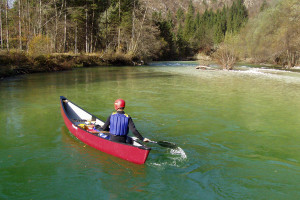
x=104 y=131
x=164 y=144
x=160 y=143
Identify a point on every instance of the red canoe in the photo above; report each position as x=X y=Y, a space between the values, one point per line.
x=75 y=118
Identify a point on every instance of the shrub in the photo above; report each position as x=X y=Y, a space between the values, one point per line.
x=39 y=45
x=225 y=56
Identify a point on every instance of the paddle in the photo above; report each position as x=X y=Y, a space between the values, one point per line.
x=170 y=145
x=165 y=144
x=161 y=143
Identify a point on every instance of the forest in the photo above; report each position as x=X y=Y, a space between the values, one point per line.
x=132 y=30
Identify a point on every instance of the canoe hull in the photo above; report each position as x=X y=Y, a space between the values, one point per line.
x=124 y=151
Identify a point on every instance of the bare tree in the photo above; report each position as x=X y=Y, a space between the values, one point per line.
x=28 y=25
x=1 y=24
x=40 y=18
x=76 y=27
x=57 y=17
x=86 y=28
x=225 y=56
x=119 y=29
x=7 y=30
x=56 y=24
x=106 y=20
x=133 y=27
x=92 y=31
x=20 y=27
x=141 y=29
x=65 y=27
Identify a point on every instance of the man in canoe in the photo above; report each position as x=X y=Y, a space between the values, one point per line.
x=119 y=123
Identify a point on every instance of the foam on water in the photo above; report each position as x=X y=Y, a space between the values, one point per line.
x=173 y=64
x=274 y=74
x=178 y=151
x=175 y=158
x=245 y=71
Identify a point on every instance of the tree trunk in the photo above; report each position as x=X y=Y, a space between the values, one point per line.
x=138 y=37
x=119 y=31
x=93 y=17
x=133 y=28
x=28 y=28
x=56 y=22
x=106 y=43
x=291 y=59
x=40 y=20
x=86 y=29
x=1 y=24
x=65 y=28
x=20 y=27
x=75 y=38
x=7 y=31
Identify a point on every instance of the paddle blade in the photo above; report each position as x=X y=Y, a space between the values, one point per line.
x=167 y=144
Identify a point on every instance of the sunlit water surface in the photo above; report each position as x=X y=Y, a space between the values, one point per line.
x=238 y=134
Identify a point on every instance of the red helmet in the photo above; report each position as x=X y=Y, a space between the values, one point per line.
x=119 y=103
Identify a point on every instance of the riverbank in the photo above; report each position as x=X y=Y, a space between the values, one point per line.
x=16 y=63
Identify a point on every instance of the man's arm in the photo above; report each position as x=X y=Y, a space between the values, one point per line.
x=134 y=130
x=105 y=127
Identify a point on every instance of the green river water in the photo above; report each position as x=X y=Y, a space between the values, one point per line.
x=238 y=134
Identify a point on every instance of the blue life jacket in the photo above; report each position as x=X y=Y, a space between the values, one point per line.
x=119 y=124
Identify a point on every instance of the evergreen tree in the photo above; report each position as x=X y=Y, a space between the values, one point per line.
x=180 y=15
x=167 y=34
x=220 y=27
x=181 y=43
x=189 y=28
x=237 y=16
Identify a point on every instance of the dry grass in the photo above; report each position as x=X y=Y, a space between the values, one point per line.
x=16 y=62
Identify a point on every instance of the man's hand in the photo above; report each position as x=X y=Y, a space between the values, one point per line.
x=146 y=140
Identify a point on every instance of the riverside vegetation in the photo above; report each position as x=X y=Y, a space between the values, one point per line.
x=51 y=35
x=15 y=62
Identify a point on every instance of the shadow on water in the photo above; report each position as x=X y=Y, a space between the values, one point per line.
x=159 y=157
x=80 y=77
x=95 y=75
x=112 y=177
x=96 y=159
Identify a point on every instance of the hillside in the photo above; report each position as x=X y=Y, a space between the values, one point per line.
x=253 y=6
